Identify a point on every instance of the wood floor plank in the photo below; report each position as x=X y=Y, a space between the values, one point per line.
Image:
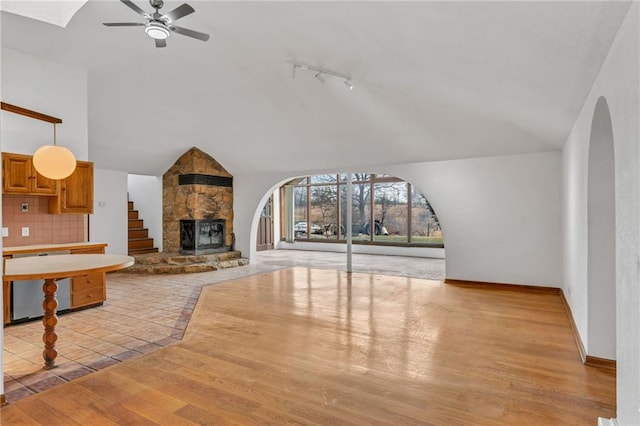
x=305 y=346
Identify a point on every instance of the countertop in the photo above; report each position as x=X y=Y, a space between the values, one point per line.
x=7 y=251
x=63 y=266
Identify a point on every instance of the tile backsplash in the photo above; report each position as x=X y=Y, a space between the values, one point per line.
x=44 y=228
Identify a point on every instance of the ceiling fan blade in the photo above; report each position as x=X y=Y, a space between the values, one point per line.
x=135 y=7
x=123 y=24
x=179 y=12
x=189 y=33
x=161 y=43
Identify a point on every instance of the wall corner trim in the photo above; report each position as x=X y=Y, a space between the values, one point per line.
x=504 y=286
x=574 y=328
x=594 y=361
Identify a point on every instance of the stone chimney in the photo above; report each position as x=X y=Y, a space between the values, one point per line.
x=195 y=187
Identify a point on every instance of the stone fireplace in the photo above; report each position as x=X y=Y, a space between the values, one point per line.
x=197 y=205
x=201 y=236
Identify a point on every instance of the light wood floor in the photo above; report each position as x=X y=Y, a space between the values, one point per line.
x=315 y=346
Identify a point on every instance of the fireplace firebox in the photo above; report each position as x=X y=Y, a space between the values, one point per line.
x=202 y=236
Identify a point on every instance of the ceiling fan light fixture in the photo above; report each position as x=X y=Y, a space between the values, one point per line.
x=157 y=31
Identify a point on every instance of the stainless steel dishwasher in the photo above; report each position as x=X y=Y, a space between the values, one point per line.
x=27 y=295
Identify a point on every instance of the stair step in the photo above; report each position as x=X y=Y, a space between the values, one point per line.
x=138 y=233
x=135 y=252
x=136 y=224
x=141 y=243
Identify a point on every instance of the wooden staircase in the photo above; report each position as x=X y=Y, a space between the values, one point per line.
x=139 y=241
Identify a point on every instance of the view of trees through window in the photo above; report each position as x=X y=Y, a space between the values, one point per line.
x=386 y=210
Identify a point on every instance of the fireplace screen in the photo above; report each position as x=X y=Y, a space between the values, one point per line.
x=201 y=236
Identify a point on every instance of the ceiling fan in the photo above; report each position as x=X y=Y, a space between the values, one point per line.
x=159 y=26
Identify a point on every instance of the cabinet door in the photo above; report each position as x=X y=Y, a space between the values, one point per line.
x=16 y=173
x=76 y=193
x=19 y=177
x=43 y=185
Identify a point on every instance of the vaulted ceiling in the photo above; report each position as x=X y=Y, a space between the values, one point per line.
x=433 y=80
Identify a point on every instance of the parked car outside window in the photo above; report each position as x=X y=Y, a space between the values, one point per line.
x=301 y=228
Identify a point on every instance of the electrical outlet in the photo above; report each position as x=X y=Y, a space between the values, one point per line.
x=25 y=231
x=5 y=232
x=25 y=207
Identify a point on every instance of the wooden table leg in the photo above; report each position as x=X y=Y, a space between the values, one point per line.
x=50 y=319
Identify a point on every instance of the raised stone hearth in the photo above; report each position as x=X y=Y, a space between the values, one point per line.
x=166 y=263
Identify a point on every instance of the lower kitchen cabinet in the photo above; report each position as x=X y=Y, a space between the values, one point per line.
x=88 y=290
x=85 y=291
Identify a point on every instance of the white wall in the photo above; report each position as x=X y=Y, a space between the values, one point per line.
x=146 y=194
x=619 y=83
x=49 y=88
x=108 y=223
x=501 y=216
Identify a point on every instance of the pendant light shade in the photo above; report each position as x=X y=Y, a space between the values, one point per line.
x=53 y=161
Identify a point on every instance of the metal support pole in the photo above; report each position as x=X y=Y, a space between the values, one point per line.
x=288 y=202
x=349 y=226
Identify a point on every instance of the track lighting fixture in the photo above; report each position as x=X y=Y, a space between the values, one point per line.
x=320 y=73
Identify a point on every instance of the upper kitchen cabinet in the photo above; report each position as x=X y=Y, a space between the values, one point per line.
x=75 y=192
x=20 y=177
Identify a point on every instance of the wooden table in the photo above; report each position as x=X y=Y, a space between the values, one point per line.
x=50 y=269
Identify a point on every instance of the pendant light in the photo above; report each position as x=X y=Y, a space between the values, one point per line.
x=53 y=161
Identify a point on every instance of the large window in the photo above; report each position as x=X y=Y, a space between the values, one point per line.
x=386 y=210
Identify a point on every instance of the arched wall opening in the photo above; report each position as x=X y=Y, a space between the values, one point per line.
x=601 y=275
x=404 y=221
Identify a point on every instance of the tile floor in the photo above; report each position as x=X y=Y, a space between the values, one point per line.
x=146 y=312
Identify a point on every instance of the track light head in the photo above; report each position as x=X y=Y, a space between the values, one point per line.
x=321 y=73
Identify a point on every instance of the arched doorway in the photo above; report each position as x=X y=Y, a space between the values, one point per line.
x=265 y=227
x=601 y=237
x=390 y=217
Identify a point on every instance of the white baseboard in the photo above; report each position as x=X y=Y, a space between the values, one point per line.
x=607 y=422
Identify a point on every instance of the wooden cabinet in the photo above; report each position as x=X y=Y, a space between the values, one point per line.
x=20 y=177
x=75 y=194
x=87 y=290
x=91 y=289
